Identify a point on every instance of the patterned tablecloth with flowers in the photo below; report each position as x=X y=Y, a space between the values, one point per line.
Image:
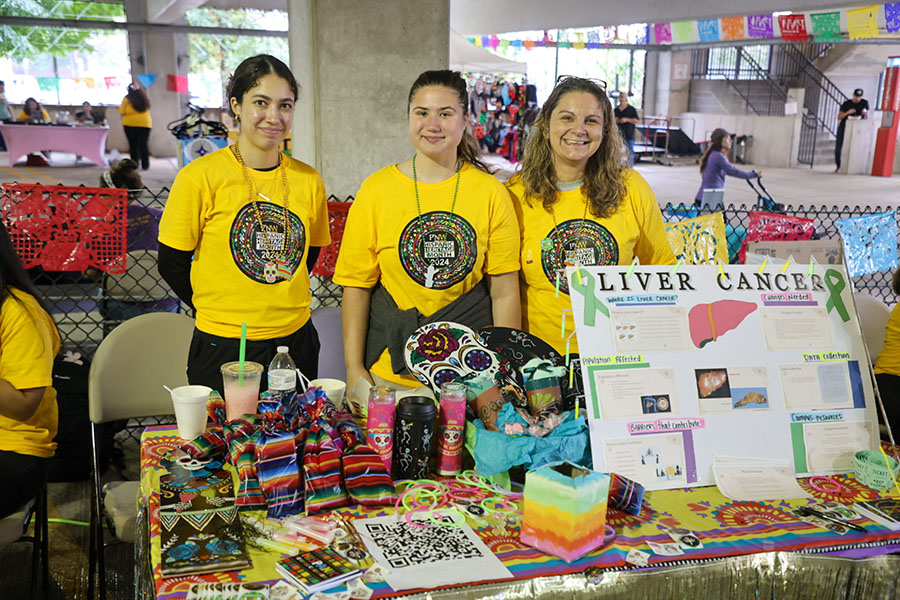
x=725 y=527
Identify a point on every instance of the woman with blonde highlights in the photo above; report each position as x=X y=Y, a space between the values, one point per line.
x=579 y=204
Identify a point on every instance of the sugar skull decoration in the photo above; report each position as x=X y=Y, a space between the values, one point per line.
x=270 y=272
x=380 y=440
x=440 y=352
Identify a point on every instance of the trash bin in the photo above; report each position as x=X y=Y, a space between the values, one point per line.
x=743 y=144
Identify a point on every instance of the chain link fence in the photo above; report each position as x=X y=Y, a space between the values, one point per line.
x=88 y=305
x=737 y=218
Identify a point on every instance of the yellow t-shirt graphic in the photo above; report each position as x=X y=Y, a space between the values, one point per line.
x=427 y=255
x=571 y=236
x=247 y=266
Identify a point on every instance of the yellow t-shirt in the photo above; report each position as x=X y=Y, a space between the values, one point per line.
x=889 y=359
x=549 y=239
x=24 y=117
x=209 y=212
x=426 y=261
x=28 y=344
x=133 y=118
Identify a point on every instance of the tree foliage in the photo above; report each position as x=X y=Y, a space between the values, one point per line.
x=222 y=53
x=21 y=42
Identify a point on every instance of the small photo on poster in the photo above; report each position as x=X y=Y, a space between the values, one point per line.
x=669 y=473
x=712 y=383
x=659 y=403
x=732 y=388
x=748 y=398
x=653 y=460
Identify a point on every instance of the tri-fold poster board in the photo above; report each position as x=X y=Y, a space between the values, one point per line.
x=683 y=364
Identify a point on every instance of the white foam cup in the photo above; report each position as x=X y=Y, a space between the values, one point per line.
x=334 y=389
x=190 y=409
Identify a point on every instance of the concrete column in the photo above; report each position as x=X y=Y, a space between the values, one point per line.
x=795 y=98
x=169 y=56
x=651 y=67
x=663 y=82
x=302 y=42
x=366 y=56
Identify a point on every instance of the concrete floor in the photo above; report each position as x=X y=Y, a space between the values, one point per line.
x=675 y=184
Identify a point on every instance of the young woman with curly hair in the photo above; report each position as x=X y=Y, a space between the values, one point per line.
x=579 y=204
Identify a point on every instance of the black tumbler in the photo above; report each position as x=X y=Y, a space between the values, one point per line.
x=413 y=430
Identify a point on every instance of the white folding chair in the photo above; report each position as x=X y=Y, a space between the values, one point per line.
x=127 y=374
x=873 y=320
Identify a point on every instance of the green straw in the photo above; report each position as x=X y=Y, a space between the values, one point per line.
x=242 y=353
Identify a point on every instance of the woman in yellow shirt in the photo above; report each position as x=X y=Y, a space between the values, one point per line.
x=28 y=414
x=32 y=111
x=135 y=111
x=433 y=232
x=242 y=229
x=579 y=204
x=887 y=366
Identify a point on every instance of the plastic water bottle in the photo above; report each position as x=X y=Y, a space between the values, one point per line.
x=282 y=373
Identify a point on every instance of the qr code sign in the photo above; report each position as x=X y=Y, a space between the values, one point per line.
x=404 y=545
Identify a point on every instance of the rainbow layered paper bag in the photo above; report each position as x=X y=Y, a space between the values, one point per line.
x=565 y=509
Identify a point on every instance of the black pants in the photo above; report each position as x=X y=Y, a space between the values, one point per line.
x=23 y=474
x=137 y=145
x=889 y=389
x=209 y=352
x=838 y=145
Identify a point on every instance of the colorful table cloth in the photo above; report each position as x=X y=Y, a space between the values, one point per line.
x=725 y=527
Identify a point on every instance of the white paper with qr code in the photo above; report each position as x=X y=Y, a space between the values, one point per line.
x=429 y=556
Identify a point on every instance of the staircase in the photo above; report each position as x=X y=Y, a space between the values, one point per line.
x=764 y=90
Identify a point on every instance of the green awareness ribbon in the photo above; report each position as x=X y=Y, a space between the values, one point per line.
x=584 y=285
x=835 y=283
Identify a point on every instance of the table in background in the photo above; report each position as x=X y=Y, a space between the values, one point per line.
x=750 y=549
x=24 y=139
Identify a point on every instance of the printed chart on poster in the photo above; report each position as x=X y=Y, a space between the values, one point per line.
x=681 y=365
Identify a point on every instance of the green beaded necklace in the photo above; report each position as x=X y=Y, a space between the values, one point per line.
x=416 y=185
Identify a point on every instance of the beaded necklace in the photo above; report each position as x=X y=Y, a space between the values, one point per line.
x=416 y=185
x=277 y=267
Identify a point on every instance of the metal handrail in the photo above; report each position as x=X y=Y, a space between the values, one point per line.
x=744 y=62
x=823 y=98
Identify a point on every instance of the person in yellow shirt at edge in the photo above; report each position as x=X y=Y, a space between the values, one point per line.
x=435 y=234
x=579 y=204
x=887 y=365
x=241 y=230
x=28 y=413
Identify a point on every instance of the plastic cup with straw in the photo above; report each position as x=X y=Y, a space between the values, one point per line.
x=241 y=381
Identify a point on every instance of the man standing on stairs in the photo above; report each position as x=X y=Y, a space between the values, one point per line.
x=856 y=107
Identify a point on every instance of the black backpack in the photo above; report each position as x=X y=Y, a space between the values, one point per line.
x=72 y=461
